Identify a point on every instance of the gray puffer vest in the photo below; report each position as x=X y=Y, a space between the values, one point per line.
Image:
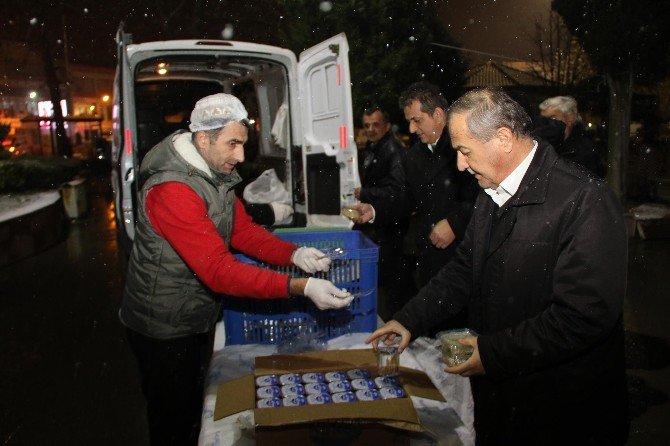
x=163 y=298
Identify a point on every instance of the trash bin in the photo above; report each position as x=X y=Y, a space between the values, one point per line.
x=74 y=198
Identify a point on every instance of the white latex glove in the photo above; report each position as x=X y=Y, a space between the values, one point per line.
x=282 y=211
x=310 y=260
x=325 y=295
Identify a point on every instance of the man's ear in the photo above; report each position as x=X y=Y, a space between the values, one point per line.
x=201 y=139
x=505 y=138
x=439 y=115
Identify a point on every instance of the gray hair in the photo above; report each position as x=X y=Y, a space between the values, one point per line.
x=490 y=109
x=565 y=104
x=429 y=96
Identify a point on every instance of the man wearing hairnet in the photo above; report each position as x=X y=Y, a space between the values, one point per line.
x=188 y=220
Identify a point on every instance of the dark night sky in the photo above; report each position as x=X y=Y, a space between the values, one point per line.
x=494 y=26
x=501 y=27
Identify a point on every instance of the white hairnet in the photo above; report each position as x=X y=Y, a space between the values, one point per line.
x=215 y=111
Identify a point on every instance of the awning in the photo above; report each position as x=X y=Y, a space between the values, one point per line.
x=33 y=118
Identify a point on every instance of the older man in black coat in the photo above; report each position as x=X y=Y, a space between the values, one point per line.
x=577 y=146
x=542 y=270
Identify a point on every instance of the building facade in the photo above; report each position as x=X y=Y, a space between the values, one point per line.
x=86 y=93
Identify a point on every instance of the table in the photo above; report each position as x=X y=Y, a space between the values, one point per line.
x=451 y=422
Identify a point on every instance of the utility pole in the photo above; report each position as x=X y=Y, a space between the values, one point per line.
x=64 y=147
x=66 y=60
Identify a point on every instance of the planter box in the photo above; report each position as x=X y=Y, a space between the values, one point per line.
x=26 y=233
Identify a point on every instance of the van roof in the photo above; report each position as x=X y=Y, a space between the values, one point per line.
x=209 y=44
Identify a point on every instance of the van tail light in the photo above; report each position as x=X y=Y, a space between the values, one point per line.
x=129 y=143
x=343 y=136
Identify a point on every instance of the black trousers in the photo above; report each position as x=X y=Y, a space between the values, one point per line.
x=172 y=373
x=395 y=275
x=431 y=261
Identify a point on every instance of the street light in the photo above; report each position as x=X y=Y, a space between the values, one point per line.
x=105 y=98
x=32 y=95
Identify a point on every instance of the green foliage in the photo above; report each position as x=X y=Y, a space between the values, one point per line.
x=390 y=46
x=28 y=173
x=622 y=35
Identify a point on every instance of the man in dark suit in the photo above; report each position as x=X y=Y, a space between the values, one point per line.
x=433 y=186
x=542 y=270
x=382 y=179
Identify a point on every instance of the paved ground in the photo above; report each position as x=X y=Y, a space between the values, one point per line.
x=68 y=378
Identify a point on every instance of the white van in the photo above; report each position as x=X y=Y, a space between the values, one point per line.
x=300 y=116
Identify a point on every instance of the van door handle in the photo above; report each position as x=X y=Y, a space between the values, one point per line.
x=327 y=148
x=130 y=175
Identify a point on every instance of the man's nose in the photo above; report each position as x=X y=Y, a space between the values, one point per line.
x=239 y=153
x=412 y=127
x=461 y=162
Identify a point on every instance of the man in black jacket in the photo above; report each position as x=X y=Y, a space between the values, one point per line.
x=542 y=270
x=433 y=186
x=382 y=179
x=576 y=147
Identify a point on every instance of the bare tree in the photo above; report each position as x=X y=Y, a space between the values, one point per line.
x=561 y=59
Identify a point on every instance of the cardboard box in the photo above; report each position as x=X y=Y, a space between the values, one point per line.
x=240 y=394
x=335 y=434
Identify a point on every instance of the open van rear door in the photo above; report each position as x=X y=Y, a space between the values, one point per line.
x=329 y=153
x=123 y=155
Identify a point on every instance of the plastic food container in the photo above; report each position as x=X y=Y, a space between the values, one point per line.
x=453 y=352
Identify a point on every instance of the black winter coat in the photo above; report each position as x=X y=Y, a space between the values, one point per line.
x=382 y=170
x=436 y=190
x=544 y=279
x=581 y=150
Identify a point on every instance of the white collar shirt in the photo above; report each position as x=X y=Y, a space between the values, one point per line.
x=508 y=187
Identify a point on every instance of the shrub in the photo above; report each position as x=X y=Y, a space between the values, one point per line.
x=29 y=172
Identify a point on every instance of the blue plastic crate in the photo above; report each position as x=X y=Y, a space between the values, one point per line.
x=269 y=321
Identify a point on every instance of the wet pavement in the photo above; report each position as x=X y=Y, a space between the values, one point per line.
x=646 y=311
x=67 y=376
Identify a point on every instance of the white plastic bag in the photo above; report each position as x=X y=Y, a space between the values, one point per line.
x=267 y=188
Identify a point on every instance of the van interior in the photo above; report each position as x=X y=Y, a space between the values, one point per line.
x=167 y=88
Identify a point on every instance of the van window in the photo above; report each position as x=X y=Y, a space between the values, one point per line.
x=167 y=88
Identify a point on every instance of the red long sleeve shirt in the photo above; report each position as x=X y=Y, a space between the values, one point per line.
x=179 y=215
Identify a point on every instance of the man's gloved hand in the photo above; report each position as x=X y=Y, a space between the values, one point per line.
x=325 y=295
x=310 y=260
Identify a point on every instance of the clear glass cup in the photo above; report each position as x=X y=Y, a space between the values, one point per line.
x=388 y=360
x=453 y=352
